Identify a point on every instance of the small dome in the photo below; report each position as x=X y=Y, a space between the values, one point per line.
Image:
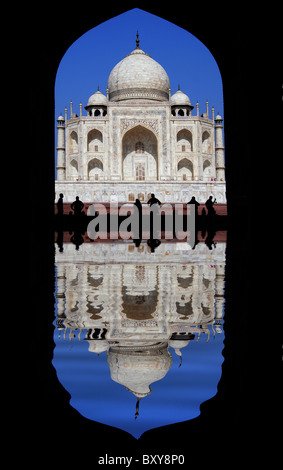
x=97 y=345
x=218 y=118
x=60 y=118
x=179 y=98
x=177 y=345
x=97 y=99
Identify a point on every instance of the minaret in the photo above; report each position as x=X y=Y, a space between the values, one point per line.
x=61 y=168
x=219 y=149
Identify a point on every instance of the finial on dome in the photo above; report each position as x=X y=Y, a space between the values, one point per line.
x=137 y=408
x=178 y=86
x=137 y=41
x=97 y=87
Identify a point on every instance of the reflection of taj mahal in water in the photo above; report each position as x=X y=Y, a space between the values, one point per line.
x=140 y=139
x=135 y=304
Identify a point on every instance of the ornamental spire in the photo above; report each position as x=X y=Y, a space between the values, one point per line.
x=137 y=41
x=137 y=408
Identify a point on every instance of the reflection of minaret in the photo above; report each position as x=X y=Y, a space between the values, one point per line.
x=137 y=366
x=219 y=294
x=60 y=293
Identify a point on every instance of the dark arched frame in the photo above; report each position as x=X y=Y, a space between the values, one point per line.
x=234 y=43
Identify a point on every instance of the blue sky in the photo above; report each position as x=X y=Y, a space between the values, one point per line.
x=90 y=59
x=175 y=398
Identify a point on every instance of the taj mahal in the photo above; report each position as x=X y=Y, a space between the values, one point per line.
x=140 y=139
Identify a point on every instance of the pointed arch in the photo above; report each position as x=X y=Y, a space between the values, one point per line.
x=185 y=169
x=185 y=140
x=73 y=142
x=185 y=310
x=94 y=140
x=207 y=170
x=139 y=154
x=206 y=142
x=74 y=169
x=94 y=169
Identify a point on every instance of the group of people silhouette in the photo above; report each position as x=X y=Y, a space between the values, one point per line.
x=208 y=204
x=77 y=206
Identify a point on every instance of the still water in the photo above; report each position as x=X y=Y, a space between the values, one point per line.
x=139 y=334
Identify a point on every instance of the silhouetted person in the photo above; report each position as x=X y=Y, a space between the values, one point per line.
x=138 y=207
x=209 y=205
x=77 y=206
x=209 y=239
x=195 y=202
x=153 y=200
x=60 y=204
x=77 y=239
x=153 y=243
x=59 y=240
x=138 y=204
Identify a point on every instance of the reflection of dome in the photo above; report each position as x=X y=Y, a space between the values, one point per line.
x=138 y=366
x=180 y=98
x=138 y=76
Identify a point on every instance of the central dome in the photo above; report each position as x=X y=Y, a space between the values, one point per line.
x=138 y=76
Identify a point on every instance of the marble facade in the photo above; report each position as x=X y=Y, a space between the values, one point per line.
x=140 y=139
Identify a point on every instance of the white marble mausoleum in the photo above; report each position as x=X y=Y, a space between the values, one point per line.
x=139 y=139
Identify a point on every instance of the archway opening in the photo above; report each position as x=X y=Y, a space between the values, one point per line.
x=95 y=169
x=185 y=169
x=139 y=155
